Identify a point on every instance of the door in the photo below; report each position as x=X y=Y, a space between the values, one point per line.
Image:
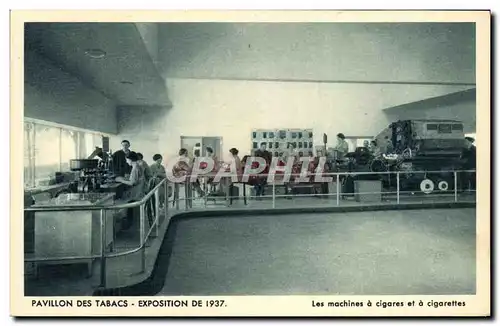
x=215 y=143
x=191 y=144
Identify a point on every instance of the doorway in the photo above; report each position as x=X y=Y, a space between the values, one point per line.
x=192 y=143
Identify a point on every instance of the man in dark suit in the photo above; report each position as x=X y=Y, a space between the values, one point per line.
x=262 y=152
x=120 y=165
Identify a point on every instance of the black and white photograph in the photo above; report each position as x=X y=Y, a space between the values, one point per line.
x=171 y=160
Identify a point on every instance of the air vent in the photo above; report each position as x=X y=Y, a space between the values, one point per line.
x=95 y=53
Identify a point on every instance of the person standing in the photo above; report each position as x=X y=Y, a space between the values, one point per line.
x=261 y=183
x=469 y=163
x=120 y=166
x=158 y=173
x=342 y=148
x=143 y=165
x=375 y=149
x=237 y=162
x=136 y=186
x=196 y=184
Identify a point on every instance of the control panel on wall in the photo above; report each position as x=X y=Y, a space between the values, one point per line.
x=283 y=141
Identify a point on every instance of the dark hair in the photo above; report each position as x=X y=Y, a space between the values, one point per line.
x=341 y=136
x=233 y=151
x=210 y=150
x=470 y=139
x=140 y=156
x=183 y=151
x=125 y=141
x=374 y=142
x=157 y=157
x=133 y=156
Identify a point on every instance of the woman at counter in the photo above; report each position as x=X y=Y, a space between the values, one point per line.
x=158 y=173
x=137 y=185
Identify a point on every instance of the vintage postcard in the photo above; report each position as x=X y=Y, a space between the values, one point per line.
x=250 y=163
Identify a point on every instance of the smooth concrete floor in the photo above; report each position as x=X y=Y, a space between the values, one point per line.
x=430 y=251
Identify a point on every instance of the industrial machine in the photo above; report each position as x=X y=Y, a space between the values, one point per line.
x=93 y=173
x=426 y=152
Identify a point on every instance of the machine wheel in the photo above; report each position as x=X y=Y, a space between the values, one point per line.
x=443 y=185
x=427 y=186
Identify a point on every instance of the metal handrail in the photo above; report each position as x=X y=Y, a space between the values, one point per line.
x=145 y=235
x=149 y=195
x=96 y=207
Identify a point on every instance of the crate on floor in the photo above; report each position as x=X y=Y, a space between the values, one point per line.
x=368 y=191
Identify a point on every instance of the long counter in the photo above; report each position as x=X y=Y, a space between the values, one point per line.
x=72 y=234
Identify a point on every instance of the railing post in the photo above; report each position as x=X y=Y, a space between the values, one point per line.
x=227 y=184
x=142 y=238
x=338 y=189
x=103 y=248
x=186 y=195
x=397 y=185
x=166 y=203
x=177 y=191
x=455 y=184
x=274 y=195
x=157 y=210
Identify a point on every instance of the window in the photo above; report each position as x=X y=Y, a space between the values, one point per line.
x=47 y=152
x=458 y=127
x=432 y=126
x=69 y=145
x=445 y=129
x=48 y=148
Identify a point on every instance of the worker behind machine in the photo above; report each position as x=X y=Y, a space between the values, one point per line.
x=120 y=166
x=389 y=146
x=144 y=166
x=342 y=148
x=469 y=163
x=375 y=149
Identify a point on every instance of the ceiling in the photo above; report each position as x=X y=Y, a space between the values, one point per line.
x=326 y=52
x=126 y=73
x=426 y=59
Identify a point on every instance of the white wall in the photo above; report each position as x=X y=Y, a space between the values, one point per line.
x=231 y=109
x=53 y=95
x=142 y=126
